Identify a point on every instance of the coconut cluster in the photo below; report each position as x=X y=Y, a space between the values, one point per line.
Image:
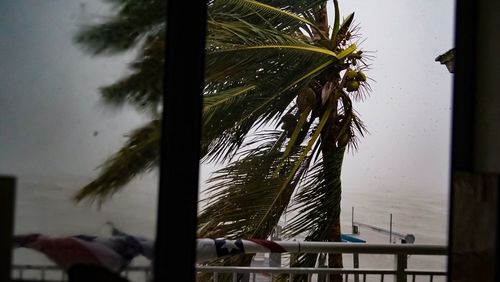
x=354 y=79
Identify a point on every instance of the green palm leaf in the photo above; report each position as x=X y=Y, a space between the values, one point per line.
x=284 y=47
x=143 y=88
x=276 y=71
x=259 y=12
x=298 y=7
x=138 y=155
x=291 y=174
x=219 y=100
x=241 y=191
x=316 y=201
x=132 y=22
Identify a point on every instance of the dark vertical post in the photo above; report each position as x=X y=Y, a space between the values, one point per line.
x=7 y=199
x=390 y=228
x=462 y=149
x=355 y=264
x=497 y=240
x=401 y=265
x=352 y=220
x=181 y=129
x=475 y=172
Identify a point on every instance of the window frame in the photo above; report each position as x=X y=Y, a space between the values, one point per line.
x=175 y=251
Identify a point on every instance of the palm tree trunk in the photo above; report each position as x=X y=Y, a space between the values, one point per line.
x=330 y=153
x=322 y=19
x=332 y=162
x=335 y=260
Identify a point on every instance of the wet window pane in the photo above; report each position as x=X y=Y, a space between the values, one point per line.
x=73 y=116
x=294 y=122
x=311 y=124
x=402 y=165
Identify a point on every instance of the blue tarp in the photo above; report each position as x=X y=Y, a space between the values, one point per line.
x=350 y=238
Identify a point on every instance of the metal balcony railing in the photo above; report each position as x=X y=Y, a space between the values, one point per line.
x=399 y=273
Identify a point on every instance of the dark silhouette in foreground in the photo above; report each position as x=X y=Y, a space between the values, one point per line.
x=93 y=273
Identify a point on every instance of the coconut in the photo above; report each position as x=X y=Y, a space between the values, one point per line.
x=289 y=122
x=352 y=85
x=361 y=76
x=351 y=74
x=305 y=99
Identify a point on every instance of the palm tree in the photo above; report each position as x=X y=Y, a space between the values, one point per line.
x=278 y=111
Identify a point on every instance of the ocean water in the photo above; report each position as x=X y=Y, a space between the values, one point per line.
x=420 y=213
x=44 y=205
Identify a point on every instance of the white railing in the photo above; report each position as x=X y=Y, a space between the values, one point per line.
x=400 y=272
x=348 y=274
x=52 y=273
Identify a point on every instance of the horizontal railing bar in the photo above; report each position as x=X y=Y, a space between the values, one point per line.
x=206 y=247
x=293 y=270
x=425 y=272
x=54 y=267
x=334 y=247
x=273 y=270
x=33 y=280
x=35 y=267
x=147 y=268
x=216 y=268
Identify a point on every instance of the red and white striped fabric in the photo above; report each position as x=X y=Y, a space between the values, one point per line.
x=209 y=249
x=68 y=251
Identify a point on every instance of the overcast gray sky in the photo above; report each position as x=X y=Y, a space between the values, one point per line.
x=408 y=114
x=48 y=91
x=50 y=105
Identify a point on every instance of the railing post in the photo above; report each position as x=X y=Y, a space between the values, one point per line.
x=390 y=229
x=293 y=259
x=401 y=265
x=7 y=198
x=355 y=264
x=322 y=264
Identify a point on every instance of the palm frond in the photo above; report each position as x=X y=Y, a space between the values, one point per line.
x=343 y=29
x=220 y=115
x=225 y=135
x=259 y=12
x=294 y=138
x=143 y=88
x=260 y=58
x=246 y=190
x=336 y=19
x=297 y=7
x=138 y=155
x=270 y=98
x=297 y=167
x=132 y=22
x=357 y=130
x=278 y=65
x=220 y=100
x=281 y=47
x=318 y=201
